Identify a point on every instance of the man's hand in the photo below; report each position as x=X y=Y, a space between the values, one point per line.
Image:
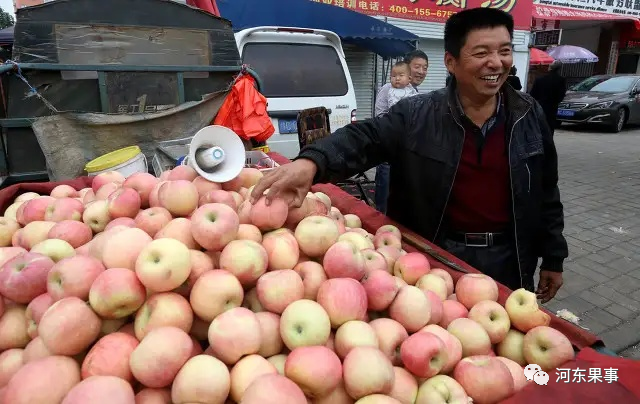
x=549 y=284
x=290 y=182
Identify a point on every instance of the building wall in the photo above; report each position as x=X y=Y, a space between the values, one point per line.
x=26 y=3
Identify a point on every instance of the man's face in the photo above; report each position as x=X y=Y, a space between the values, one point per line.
x=419 y=68
x=484 y=61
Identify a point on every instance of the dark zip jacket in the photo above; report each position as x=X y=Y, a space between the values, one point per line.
x=422 y=138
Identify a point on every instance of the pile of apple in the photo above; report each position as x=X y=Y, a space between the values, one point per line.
x=179 y=290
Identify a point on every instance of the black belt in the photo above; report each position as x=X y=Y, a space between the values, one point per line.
x=479 y=239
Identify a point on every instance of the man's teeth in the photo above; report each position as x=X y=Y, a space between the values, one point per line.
x=491 y=78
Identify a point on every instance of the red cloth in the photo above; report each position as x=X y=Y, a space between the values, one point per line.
x=245 y=111
x=480 y=199
x=209 y=6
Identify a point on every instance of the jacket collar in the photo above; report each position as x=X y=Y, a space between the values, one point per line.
x=516 y=105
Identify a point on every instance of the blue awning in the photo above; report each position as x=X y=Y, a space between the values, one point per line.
x=6 y=36
x=354 y=28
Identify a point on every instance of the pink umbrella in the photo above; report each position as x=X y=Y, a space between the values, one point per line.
x=538 y=57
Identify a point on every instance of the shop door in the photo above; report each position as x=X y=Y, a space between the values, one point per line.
x=627 y=63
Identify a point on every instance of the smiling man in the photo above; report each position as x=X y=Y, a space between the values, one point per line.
x=474 y=165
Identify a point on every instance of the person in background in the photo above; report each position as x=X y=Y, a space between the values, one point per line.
x=549 y=90
x=475 y=168
x=418 y=62
x=399 y=87
x=513 y=79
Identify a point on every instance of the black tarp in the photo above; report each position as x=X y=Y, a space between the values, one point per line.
x=6 y=36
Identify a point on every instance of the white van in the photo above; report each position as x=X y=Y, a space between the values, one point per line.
x=299 y=68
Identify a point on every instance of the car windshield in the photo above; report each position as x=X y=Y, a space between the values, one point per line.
x=297 y=70
x=606 y=84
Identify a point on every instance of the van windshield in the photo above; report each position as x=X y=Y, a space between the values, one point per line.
x=296 y=70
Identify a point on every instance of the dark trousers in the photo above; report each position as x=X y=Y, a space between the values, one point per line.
x=383 y=172
x=498 y=261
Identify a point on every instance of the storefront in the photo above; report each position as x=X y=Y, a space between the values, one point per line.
x=608 y=28
x=424 y=18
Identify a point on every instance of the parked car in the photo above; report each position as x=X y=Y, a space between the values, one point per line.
x=300 y=68
x=611 y=100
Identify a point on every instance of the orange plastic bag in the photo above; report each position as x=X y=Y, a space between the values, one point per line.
x=245 y=111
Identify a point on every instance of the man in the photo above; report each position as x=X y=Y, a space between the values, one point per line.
x=549 y=90
x=419 y=64
x=474 y=164
x=513 y=79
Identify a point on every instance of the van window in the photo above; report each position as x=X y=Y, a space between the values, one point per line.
x=297 y=70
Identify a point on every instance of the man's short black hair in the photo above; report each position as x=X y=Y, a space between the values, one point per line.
x=460 y=24
x=415 y=54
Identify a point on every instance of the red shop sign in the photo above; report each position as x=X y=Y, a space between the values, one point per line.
x=436 y=10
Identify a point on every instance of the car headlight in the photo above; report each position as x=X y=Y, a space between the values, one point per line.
x=599 y=105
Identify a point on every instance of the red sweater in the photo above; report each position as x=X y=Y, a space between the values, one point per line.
x=480 y=200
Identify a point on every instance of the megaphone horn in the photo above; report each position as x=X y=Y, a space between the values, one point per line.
x=216 y=153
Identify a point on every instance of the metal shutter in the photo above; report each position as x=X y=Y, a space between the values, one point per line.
x=361 y=67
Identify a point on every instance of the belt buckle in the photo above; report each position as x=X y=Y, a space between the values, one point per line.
x=488 y=239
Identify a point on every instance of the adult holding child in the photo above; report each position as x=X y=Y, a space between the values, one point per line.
x=406 y=76
x=475 y=168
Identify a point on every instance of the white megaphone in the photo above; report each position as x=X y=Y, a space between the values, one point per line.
x=216 y=153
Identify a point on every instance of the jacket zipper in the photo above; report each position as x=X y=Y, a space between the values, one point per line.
x=529 y=178
x=513 y=202
x=446 y=202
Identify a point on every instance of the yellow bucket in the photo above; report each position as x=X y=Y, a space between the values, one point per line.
x=127 y=161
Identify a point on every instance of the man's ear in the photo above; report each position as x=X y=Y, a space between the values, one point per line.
x=450 y=63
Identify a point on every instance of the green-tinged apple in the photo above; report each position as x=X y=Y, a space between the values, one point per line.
x=441 y=389
x=304 y=323
x=472 y=336
x=512 y=347
x=315 y=234
x=524 y=312
x=493 y=318
x=251 y=301
x=245 y=372
x=13 y=328
x=474 y=288
x=387 y=239
x=54 y=249
x=424 y=354
x=250 y=232
x=352 y=221
x=163 y=265
x=433 y=283
x=96 y=215
x=389 y=228
x=484 y=378
x=8 y=227
x=316 y=369
x=359 y=240
x=367 y=371
x=353 y=334
x=547 y=348
x=446 y=276
x=391 y=255
x=278 y=361
x=234 y=334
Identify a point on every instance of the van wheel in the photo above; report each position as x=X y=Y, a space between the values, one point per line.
x=621 y=119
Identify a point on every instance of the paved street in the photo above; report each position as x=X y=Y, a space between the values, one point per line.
x=600 y=188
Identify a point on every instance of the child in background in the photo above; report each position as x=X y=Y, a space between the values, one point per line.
x=398 y=88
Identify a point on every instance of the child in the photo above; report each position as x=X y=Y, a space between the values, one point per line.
x=398 y=88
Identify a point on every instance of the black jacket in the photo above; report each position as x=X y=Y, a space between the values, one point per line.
x=549 y=90
x=422 y=138
x=514 y=81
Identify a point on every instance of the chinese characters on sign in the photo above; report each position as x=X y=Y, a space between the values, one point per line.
x=141 y=107
x=436 y=10
x=591 y=375
x=598 y=9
